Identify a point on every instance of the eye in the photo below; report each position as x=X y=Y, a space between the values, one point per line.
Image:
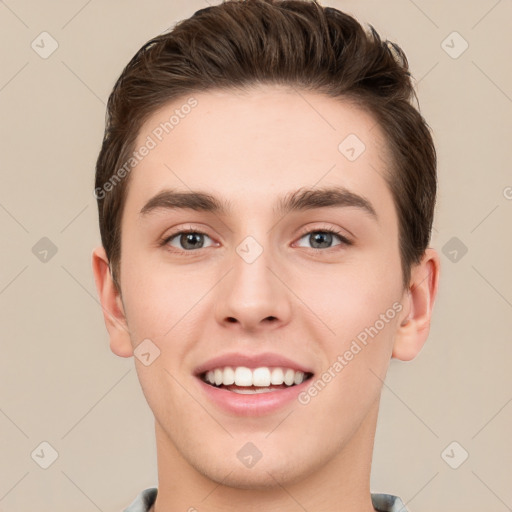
x=190 y=240
x=323 y=238
x=187 y=240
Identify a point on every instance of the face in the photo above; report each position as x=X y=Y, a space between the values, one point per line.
x=266 y=269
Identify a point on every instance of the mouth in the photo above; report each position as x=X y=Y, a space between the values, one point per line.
x=247 y=381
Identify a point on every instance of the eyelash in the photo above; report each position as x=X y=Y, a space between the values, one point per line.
x=344 y=241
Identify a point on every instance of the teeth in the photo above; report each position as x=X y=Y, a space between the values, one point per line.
x=252 y=391
x=259 y=377
x=289 y=377
x=228 y=376
x=277 y=376
x=243 y=376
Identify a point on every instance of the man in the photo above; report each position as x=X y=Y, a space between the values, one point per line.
x=266 y=193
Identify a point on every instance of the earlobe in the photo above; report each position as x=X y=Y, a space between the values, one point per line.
x=112 y=305
x=420 y=297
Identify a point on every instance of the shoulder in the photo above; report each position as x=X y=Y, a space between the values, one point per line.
x=381 y=502
x=387 y=503
x=144 y=501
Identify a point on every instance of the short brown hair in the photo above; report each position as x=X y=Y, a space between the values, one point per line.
x=241 y=43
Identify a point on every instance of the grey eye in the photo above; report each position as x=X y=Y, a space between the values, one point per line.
x=321 y=239
x=188 y=240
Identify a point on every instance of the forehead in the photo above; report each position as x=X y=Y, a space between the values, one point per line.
x=267 y=141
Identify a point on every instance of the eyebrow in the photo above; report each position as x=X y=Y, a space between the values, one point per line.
x=299 y=200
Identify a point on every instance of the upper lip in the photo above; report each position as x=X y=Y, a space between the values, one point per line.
x=252 y=361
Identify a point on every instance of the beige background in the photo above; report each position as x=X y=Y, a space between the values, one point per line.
x=61 y=384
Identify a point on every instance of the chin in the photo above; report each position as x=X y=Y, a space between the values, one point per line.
x=255 y=479
x=268 y=472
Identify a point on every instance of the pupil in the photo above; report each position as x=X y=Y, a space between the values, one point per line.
x=190 y=240
x=321 y=237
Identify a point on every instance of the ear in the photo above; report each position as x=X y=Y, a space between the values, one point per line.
x=112 y=305
x=418 y=301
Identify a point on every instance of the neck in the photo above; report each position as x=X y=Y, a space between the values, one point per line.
x=341 y=483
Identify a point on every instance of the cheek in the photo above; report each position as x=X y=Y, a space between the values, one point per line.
x=149 y=292
x=361 y=310
x=162 y=303
x=349 y=298
x=144 y=308
x=358 y=304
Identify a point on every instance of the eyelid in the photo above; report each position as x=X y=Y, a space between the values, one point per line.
x=183 y=230
x=329 y=229
x=305 y=231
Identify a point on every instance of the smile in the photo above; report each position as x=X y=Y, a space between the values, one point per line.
x=242 y=391
x=245 y=380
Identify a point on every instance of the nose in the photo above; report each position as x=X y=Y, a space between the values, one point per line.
x=253 y=295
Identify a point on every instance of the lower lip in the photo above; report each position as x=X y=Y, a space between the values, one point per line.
x=256 y=404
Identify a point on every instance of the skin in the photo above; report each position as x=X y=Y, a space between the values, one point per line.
x=195 y=304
